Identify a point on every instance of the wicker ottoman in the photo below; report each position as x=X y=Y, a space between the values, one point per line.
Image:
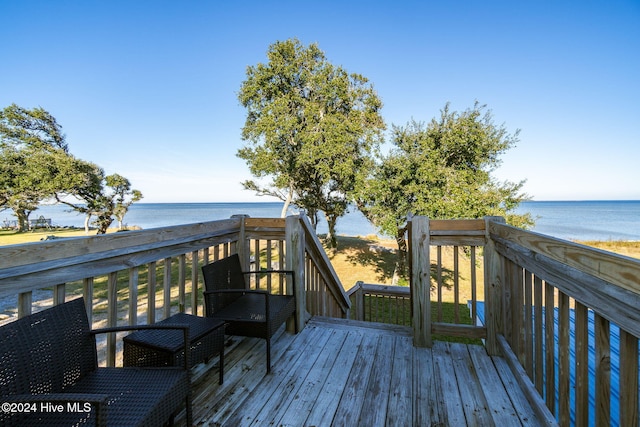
x=166 y=348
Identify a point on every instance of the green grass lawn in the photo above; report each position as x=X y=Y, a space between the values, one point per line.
x=13 y=237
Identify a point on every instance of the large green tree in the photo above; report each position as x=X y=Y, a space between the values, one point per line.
x=312 y=130
x=34 y=161
x=443 y=171
x=36 y=166
x=101 y=196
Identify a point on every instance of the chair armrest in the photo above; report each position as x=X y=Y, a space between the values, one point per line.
x=32 y=403
x=183 y=326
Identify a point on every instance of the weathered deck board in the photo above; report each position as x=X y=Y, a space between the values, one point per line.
x=324 y=408
x=474 y=402
x=342 y=373
x=447 y=394
x=400 y=408
x=308 y=394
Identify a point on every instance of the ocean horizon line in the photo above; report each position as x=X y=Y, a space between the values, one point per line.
x=280 y=202
x=566 y=219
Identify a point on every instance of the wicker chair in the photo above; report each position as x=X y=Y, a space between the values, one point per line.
x=250 y=313
x=49 y=374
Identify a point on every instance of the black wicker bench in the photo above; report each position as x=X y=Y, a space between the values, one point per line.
x=49 y=376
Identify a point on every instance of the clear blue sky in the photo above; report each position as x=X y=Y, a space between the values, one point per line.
x=148 y=89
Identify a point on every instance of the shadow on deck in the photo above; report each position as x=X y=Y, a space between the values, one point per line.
x=341 y=372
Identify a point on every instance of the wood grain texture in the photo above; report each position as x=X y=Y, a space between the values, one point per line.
x=338 y=373
x=421 y=281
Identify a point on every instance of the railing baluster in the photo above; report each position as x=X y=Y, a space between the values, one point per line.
x=194 y=282
x=549 y=338
x=281 y=264
x=151 y=292
x=439 y=281
x=258 y=262
x=538 y=335
x=166 y=287
x=133 y=296
x=563 y=356
x=59 y=292
x=527 y=319
x=112 y=316
x=456 y=285
x=87 y=292
x=628 y=387
x=582 y=364
x=182 y=282
x=474 y=295
x=603 y=371
x=269 y=266
x=25 y=301
x=517 y=301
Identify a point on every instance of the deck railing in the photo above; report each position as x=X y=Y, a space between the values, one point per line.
x=566 y=315
x=323 y=293
x=460 y=240
x=450 y=252
x=571 y=315
x=381 y=303
x=145 y=276
x=541 y=295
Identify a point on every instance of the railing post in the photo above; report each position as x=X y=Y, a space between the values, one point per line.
x=242 y=246
x=25 y=304
x=112 y=316
x=294 y=239
x=421 y=281
x=59 y=292
x=359 y=300
x=493 y=290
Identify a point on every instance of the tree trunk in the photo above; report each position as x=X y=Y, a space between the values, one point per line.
x=330 y=240
x=312 y=214
x=23 y=219
x=87 y=218
x=104 y=221
x=402 y=250
x=287 y=202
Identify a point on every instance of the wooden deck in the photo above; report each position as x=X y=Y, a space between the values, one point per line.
x=347 y=373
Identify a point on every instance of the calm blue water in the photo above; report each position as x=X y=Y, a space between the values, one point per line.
x=153 y=215
x=585 y=220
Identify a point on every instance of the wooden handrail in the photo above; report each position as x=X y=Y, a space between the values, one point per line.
x=381 y=303
x=148 y=274
x=551 y=289
x=117 y=262
x=539 y=291
x=603 y=281
x=324 y=267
